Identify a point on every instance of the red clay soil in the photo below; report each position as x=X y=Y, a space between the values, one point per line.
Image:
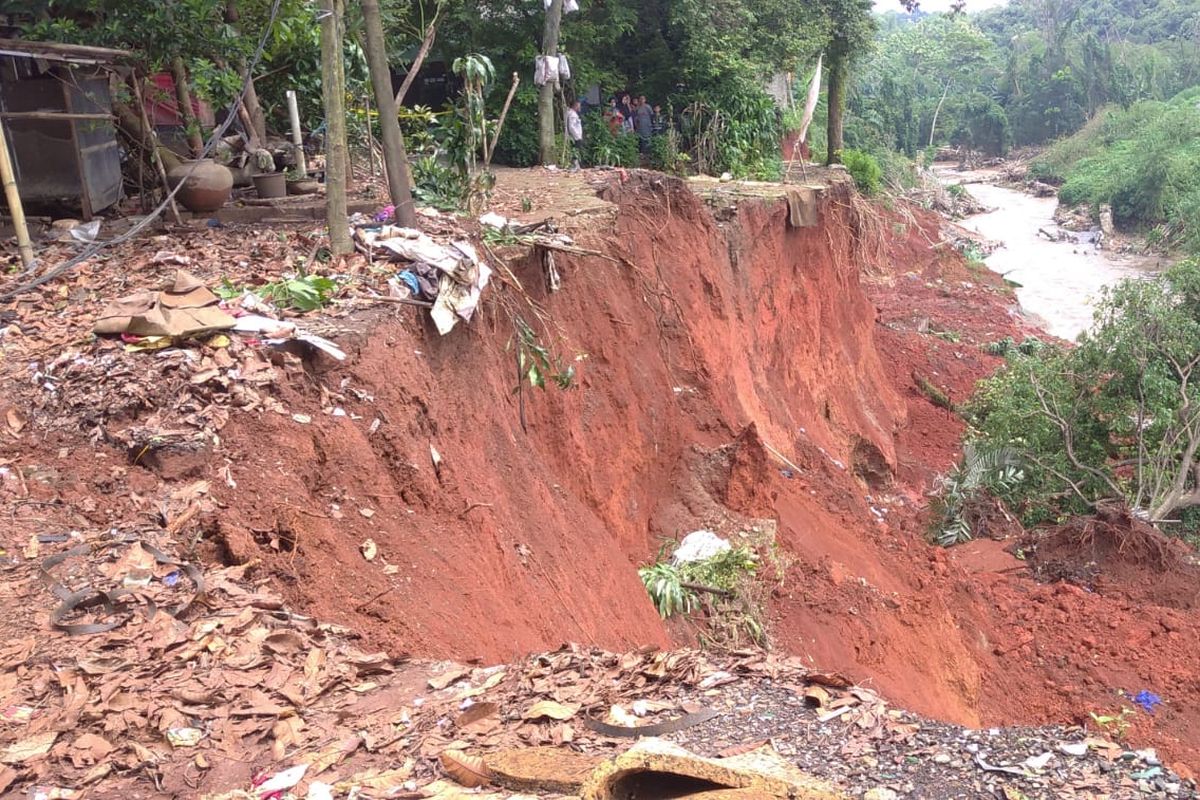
x=701 y=347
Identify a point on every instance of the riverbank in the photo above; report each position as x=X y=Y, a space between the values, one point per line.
x=1059 y=273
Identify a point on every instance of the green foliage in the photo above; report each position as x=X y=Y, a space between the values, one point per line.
x=535 y=362
x=995 y=471
x=1143 y=161
x=865 y=169
x=437 y=184
x=666 y=582
x=299 y=293
x=602 y=149
x=1116 y=417
x=1006 y=346
x=665 y=155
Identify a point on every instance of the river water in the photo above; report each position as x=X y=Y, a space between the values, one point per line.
x=1059 y=281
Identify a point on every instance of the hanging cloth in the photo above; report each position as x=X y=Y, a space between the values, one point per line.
x=564 y=68
x=810 y=105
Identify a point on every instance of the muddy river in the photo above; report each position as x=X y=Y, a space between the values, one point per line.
x=1059 y=281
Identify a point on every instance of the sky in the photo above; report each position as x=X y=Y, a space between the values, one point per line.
x=938 y=5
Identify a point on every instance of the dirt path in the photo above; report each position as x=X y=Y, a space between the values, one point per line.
x=707 y=334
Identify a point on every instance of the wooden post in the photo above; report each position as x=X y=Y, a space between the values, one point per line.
x=546 y=91
x=333 y=92
x=297 y=136
x=24 y=246
x=395 y=160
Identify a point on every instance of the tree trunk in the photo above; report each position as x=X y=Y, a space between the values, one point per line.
x=837 y=103
x=333 y=92
x=394 y=158
x=546 y=91
x=183 y=98
x=257 y=118
x=936 y=112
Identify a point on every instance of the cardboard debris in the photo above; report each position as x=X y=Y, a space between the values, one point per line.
x=653 y=767
x=185 y=308
x=542 y=769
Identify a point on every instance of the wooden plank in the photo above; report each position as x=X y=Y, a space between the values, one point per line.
x=54 y=115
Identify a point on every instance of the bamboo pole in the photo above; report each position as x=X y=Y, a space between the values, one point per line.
x=24 y=246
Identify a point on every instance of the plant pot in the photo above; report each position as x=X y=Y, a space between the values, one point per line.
x=303 y=186
x=206 y=184
x=271 y=184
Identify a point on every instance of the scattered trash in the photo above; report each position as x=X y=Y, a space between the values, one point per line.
x=461 y=274
x=28 y=749
x=1073 y=748
x=17 y=714
x=699 y=546
x=281 y=781
x=51 y=793
x=85 y=233
x=1146 y=774
x=552 y=710
x=184 y=737
x=1039 y=762
x=1148 y=700
x=369 y=550
x=984 y=765
x=303 y=419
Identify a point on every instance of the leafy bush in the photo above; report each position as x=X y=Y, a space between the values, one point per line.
x=1144 y=162
x=602 y=149
x=865 y=169
x=438 y=184
x=518 y=145
x=1115 y=418
x=993 y=470
x=665 y=155
x=667 y=584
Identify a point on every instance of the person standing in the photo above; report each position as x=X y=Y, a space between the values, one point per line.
x=644 y=124
x=575 y=133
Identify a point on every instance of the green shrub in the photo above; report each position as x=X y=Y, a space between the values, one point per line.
x=865 y=169
x=602 y=149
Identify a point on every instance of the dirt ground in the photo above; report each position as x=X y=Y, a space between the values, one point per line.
x=707 y=336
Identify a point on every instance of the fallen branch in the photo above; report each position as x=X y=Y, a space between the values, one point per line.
x=936 y=396
x=426 y=43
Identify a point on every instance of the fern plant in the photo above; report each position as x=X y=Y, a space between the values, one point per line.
x=996 y=470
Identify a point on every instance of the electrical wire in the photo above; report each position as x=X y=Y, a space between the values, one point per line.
x=141 y=225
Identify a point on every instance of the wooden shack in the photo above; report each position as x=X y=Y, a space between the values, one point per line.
x=56 y=110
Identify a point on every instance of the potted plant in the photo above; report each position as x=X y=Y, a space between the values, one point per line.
x=298 y=182
x=270 y=184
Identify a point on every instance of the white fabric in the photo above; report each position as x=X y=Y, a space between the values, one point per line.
x=700 y=546
x=574 y=125
x=810 y=105
x=545 y=70
x=564 y=68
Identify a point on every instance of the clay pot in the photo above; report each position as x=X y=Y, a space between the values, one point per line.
x=206 y=188
x=270 y=184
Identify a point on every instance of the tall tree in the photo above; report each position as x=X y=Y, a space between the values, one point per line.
x=333 y=93
x=546 y=123
x=394 y=158
x=852 y=28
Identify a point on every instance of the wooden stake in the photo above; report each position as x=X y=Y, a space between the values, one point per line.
x=152 y=136
x=24 y=246
x=333 y=91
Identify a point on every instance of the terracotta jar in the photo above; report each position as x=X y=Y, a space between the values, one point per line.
x=206 y=188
